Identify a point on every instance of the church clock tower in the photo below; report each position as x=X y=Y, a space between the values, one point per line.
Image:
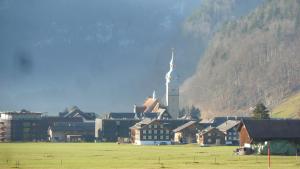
x=172 y=90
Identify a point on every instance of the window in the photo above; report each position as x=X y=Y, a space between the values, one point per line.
x=167 y=137
x=155 y=126
x=161 y=131
x=155 y=131
x=155 y=137
x=144 y=131
x=209 y=140
x=149 y=131
x=150 y=126
x=144 y=137
x=150 y=137
x=229 y=133
x=161 y=137
x=209 y=134
x=167 y=131
x=229 y=138
x=161 y=126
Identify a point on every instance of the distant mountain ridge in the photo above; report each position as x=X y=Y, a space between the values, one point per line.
x=255 y=58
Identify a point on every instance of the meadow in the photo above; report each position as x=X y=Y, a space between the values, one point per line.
x=126 y=156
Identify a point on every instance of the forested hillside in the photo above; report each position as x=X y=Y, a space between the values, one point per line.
x=251 y=59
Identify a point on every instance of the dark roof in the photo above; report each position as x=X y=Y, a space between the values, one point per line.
x=150 y=115
x=272 y=129
x=73 y=126
x=184 y=126
x=75 y=112
x=208 y=129
x=220 y=120
x=227 y=125
x=115 y=115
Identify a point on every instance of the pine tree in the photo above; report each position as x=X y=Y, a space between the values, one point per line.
x=261 y=112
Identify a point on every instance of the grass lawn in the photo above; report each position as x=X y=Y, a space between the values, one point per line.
x=109 y=155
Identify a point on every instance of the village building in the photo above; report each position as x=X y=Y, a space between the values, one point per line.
x=282 y=134
x=151 y=108
x=230 y=129
x=75 y=112
x=211 y=136
x=2 y=132
x=151 y=132
x=21 y=126
x=186 y=133
x=115 y=129
x=71 y=132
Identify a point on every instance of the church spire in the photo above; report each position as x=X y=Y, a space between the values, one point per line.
x=154 y=95
x=172 y=89
x=172 y=60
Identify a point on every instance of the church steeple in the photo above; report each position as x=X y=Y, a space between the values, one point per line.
x=172 y=89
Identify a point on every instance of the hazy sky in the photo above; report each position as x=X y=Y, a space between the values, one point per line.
x=99 y=55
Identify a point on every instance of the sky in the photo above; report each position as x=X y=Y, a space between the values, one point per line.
x=101 y=56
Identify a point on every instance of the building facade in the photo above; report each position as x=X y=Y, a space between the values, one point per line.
x=21 y=126
x=186 y=133
x=151 y=132
x=211 y=136
x=230 y=129
x=71 y=132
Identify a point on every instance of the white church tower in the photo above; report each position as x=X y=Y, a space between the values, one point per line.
x=172 y=89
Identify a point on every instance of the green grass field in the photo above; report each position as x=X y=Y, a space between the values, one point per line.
x=109 y=155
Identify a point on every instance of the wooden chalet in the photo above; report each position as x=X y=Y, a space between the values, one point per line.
x=151 y=132
x=230 y=129
x=211 y=136
x=259 y=131
x=186 y=133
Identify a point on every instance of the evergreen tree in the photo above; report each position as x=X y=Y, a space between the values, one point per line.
x=190 y=112
x=261 y=112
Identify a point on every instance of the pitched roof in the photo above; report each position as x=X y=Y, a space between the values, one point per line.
x=272 y=129
x=76 y=112
x=140 y=124
x=219 y=120
x=208 y=129
x=119 y=115
x=184 y=126
x=228 y=125
x=151 y=104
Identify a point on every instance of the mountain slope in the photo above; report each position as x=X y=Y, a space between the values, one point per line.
x=207 y=19
x=249 y=60
x=289 y=108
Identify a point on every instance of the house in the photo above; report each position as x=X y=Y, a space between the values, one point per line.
x=282 y=133
x=71 y=132
x=211 y=136
x=186 y=133
x=230 y=129
x=151 y=132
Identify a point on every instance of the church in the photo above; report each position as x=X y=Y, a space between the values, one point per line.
x=152 y=106
x=116 y=126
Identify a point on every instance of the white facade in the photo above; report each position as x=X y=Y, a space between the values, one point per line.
x=172 y=90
